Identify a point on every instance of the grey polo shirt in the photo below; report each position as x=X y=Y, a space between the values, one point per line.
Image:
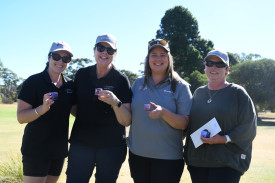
x=155 y=138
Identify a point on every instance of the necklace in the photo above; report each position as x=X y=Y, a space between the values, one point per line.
x=56 y=83
x=210 y=99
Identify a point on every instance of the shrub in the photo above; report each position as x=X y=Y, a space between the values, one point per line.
x=11 y=171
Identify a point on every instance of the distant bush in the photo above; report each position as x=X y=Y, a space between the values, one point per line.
x=11 y=171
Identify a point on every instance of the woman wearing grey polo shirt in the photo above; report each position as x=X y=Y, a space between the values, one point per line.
x=156 y=133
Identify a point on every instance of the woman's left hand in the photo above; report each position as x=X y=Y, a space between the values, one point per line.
x=216 y=139
x=108 y=97
x=156 y=112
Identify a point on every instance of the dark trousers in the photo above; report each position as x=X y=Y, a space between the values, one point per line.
x=150 y=170
x=83 y=159
x=214 y=175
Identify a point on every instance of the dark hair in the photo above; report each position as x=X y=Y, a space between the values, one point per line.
x=169 y=72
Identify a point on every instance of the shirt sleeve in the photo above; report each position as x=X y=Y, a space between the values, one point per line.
x=125 y=95
x=28 y=91
x=76 y=79
x=244 y=133
x=184 y=100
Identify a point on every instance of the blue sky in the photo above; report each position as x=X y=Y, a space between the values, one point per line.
x=29 y=27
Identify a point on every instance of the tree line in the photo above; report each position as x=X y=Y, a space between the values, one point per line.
x=180 y=29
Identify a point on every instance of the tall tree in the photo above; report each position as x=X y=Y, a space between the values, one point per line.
x=9 y=89
x=252 y=56
x=234 y=58
x=131 y=76
x=180 y=28
x=257 y=77
x=196 y=79
x=76 y=64
x=1 y=68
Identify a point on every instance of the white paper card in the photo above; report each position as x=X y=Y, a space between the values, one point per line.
x=212 y=126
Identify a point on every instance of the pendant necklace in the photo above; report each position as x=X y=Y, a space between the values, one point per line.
x=56 y=83
x=210 y=99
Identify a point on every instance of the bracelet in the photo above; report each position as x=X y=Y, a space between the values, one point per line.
x=36 y=112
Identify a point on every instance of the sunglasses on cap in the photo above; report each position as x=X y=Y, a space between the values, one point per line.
x=157 y=41
x=102 y=48
x=217 y=64
x=57 y=57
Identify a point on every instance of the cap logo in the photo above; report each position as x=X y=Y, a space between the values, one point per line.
x=59 y=44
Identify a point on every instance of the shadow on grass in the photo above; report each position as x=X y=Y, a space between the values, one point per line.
x=266 y=121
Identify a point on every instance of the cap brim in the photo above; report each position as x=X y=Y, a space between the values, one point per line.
x=112 y=45
x=64 y=50
x=156 y=45
x=216 y=56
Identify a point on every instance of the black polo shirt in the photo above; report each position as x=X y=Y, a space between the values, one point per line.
x=47 y=136
x=96 y=124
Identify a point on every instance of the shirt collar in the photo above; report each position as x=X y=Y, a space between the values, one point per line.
x=166 y=81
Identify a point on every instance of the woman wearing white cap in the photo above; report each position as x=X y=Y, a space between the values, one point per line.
x=160 y=107
x=44 y=103
x=103 y=98
x=225 y=156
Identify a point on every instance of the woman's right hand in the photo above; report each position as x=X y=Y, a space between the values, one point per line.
x=26 y=113
x=47 y=102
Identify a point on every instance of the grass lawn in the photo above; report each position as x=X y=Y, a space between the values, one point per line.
x=262 y=168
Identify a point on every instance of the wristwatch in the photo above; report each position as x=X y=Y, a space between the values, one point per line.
x=117 y=106
x=227 y=139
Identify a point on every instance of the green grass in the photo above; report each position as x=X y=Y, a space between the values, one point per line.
x=10 y=131
x=262 y=168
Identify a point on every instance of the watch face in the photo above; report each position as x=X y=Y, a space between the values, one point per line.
x=119 y=104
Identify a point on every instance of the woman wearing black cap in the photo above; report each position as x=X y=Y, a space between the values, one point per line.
x=160 y=107
x=223 y=157
x=44 y=103
x=103 y=98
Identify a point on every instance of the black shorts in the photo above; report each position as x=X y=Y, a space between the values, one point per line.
x=39 y=167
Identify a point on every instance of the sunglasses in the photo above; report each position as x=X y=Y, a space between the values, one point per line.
x=157 y=41
x=57 y=57
x=217 y=64
x=102 y=48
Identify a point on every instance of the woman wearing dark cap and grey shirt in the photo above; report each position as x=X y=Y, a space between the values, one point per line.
x=227 y=155
x=44 y=103
x=156 y=133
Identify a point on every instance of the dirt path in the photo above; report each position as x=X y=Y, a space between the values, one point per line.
x=8 y=105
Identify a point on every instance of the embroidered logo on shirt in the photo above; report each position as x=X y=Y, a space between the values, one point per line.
x=141 y=88
x=167 y=91
x=243 y=156
x=69 y=91
x=111 y=88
